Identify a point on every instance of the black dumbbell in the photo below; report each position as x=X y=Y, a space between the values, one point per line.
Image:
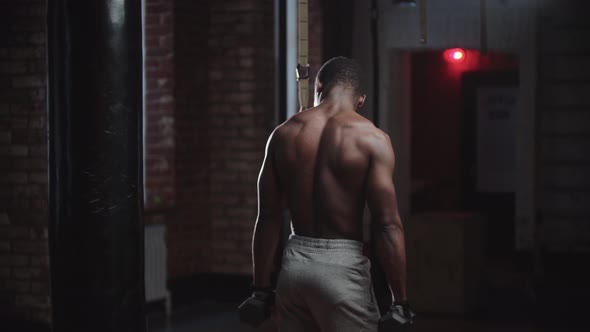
x=399 y=318
x=257 y=308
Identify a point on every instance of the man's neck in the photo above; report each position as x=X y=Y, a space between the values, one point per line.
x=339 y=99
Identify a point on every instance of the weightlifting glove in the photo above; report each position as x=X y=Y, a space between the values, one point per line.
x=398 y=318
x=258 y=307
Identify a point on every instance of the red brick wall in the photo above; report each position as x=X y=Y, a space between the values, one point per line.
x=159 y=106
x=209 y=109
x=24 y=272
x=224 y=61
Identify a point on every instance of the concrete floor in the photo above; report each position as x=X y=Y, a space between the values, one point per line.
x=221 y=316
x=559 y=302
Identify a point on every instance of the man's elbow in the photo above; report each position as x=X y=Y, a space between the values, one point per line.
x=387 y=223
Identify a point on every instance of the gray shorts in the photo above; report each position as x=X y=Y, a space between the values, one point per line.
x=325 y=285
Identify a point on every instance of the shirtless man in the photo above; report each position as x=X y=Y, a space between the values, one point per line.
x=323 y=164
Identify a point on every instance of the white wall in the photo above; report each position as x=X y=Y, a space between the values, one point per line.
x=456 y=23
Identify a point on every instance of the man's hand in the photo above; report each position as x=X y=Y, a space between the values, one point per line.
x=398 y=318
x=402 y=308
x=258 y=307
x=267 y=296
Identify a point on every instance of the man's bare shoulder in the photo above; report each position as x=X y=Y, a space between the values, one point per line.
x=375 y=141
x=298 y=119
x=287 y=129
x=294 y=124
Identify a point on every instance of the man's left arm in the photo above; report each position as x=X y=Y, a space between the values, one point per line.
x=271 y=203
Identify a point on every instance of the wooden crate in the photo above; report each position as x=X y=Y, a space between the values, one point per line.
x=445 y=261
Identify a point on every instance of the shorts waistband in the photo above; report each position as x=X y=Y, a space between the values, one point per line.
x=334 y=244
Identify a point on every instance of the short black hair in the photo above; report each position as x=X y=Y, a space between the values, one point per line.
x=341 y=71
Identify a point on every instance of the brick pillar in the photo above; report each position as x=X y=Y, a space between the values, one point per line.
x=188 y=231
x=24 y=262
x=241 y=108
x=224 y=90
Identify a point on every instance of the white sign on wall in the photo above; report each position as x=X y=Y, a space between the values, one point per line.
x=496 y=138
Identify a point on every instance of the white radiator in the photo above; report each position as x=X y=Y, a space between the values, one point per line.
x=155 y=265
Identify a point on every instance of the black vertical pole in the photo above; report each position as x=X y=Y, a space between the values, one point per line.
x=281 y=75
x=281 y=78
x=375 y=58
x=380 y=284
x=95 y=172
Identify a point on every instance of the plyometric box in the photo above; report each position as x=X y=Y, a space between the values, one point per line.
x=446 y=261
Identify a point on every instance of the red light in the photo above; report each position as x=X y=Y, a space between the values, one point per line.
x=454 y=55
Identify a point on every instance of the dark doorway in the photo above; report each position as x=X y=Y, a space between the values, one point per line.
x=462 y=204
x=444 y=153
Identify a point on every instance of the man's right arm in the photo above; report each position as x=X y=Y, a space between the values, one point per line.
x=386 y=224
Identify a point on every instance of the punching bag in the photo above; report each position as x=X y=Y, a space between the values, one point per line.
x=95 y=165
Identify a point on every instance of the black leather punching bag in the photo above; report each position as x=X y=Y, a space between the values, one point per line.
x=95 y=172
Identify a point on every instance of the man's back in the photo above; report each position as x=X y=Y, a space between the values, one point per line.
x=324 y=164
x=322 y=157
